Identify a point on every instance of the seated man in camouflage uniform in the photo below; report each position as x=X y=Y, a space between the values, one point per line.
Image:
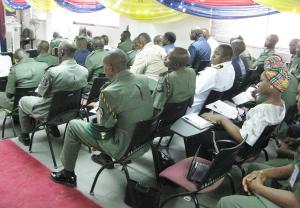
x=122 y=104
x=25 y=73
x=67 y=76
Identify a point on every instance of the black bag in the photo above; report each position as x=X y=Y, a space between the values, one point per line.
x=141 y=196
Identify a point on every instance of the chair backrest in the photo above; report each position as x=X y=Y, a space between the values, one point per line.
x=172 y=112
x=290 y=114
x=253 y=151
x=142 y=135
x=3 y=81
x=95 y=90
x=220 y=165
x=65 y=106
x=20 y=92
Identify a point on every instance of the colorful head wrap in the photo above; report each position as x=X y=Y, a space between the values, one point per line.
x=276 y=72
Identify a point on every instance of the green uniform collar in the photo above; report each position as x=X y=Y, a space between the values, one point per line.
x=43 y=55
x=69 y=61
x=121 y=75
x=26 y=60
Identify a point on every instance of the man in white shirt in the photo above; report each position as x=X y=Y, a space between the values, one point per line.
x=219 y=77
x=210 y=40
x=150 y=59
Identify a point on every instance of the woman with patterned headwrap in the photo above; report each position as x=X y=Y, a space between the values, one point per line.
x=273 y=81
x=260 y=182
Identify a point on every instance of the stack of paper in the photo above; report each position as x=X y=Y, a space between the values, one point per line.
x=224 y=109
x=197 y=121
x=244 y=97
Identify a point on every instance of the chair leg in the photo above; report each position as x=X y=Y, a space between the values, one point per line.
x=160 y=138
x=31 y=138
x=170 y=140
x=231 y=183
x=196 y=202
x=97 y=176
x=65 y=131
x=243 y=172
x=13 y=126
x=51 y=149
x=3 y=125
x=87 y=115
x=266 y=155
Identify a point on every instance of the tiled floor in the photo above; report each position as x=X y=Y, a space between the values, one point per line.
x=110 y=189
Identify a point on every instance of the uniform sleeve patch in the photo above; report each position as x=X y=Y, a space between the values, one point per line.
x=45 y=82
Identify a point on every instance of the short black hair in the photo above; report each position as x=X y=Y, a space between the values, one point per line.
x=170 y=36
x=126 y=33
x=226 y=50
x=179 y=57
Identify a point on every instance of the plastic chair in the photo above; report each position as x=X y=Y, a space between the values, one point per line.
x=250 y=153
x=141 y=138
x=93 y=95
x=3 y=81
x=218 y=168
x=171 y=113
x=65 y=106
x=20 y=92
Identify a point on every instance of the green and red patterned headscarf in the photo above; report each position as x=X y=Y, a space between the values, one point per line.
x=276 y=72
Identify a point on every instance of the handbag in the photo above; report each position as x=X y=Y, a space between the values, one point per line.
x=139 y=195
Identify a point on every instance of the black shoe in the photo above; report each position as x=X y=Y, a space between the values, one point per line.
x=103 y=159
x=24 y=138
x=60 y=177
x=53 y=130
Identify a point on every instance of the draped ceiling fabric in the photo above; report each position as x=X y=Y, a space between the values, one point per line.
x=144 y=10
x=231 y=9
x=45 y=5
x=81 y=6
x=292 y=6
x=7 y=8
x=16 y=4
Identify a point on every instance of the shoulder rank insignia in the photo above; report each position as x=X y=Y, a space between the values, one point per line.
x=220 y=66
x=50 y=67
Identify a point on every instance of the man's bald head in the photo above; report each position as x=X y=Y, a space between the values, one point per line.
x=292 y=45
x=66 y=50
x=98 y=42
x=271 y=41
x=144 y=38
x=238 y=46
x=117 y=59
x=81 y=42
x=43 y=47
x=206 y=34
x=20 y=54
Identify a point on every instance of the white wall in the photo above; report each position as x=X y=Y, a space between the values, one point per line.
x=61 y=20
x=254 y=30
